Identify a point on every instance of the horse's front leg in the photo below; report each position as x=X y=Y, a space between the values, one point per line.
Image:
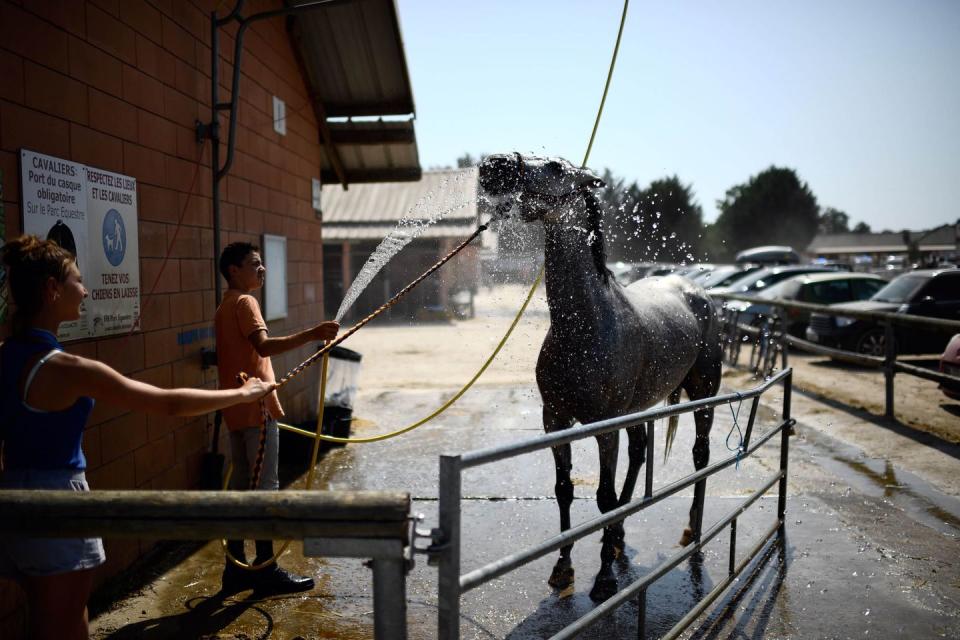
x=562 y=575
x=605 y=584
x=701 y=457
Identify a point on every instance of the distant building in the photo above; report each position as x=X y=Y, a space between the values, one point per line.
x=873 y=249
x=355 y=221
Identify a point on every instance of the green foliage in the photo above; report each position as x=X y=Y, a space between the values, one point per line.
x=834 y=221
x=862 y=227
x=773 y=207
x=660 y=223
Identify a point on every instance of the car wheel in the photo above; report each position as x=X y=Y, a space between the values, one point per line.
x=872 y=343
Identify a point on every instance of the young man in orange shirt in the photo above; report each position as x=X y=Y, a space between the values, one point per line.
x=243 y=344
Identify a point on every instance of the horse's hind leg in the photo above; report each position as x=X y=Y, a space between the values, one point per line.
x=701 y=457
x=637 y=450
x=703 y=381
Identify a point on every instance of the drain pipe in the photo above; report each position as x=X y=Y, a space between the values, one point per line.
x=211 y=130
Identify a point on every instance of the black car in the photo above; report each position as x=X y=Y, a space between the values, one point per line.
x=932 y=293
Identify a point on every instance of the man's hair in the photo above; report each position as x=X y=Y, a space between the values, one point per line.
x=233 y=255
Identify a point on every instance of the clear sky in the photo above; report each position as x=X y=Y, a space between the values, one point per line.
x=860 y=97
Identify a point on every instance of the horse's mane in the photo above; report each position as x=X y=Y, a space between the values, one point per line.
x=599 y=249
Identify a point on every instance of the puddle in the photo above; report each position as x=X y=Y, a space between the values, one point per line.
x=876 y=477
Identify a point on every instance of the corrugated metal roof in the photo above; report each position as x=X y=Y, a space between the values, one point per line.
x=837 y=242
x=354 y=53
x=378 y=232
x=353 y=60
x=370 y=211
x=940 y=238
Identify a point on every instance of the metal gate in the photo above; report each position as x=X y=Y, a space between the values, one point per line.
x=446 y=548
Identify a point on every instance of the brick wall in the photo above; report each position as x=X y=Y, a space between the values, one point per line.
x=118 y=84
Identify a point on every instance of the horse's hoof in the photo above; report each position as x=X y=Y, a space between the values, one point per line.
x=561 y=577
x=603 y=588
x=687 y=537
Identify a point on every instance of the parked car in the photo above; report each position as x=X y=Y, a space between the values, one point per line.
x=816 y=288
x=627 y=272
x=768 y=255
x=931 y=293
x=950 y=364
x=727 y=273
x=693 y=271
x=753 y=282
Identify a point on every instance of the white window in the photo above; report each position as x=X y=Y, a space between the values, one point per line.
x=275 y=288
x=279 y=116
x=317 y=187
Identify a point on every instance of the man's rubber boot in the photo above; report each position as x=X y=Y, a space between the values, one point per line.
x=274 y=580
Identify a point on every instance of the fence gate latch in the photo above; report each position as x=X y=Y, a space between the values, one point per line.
x=438 y=542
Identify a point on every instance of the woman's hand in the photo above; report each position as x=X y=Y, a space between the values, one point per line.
x=255 y=388
x=326 y=330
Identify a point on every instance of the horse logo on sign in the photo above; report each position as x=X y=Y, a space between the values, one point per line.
x=114 y=237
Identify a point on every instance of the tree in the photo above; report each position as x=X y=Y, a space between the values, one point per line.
x=773 y=207
x=660 y=223
x=834 y=221
x=862 y=227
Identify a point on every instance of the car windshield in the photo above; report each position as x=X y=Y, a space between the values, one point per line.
x=900 y=289
x=787 y=290
x=722 y=275
x=744 y=282
x=764 y=278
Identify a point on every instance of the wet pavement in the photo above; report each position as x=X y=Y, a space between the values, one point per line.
x=870 y=550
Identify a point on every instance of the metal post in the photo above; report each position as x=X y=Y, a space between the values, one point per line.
x=889 y=360
x=389 y=599
x=642 y=614
x=448 y=623
x=648 y=485
x=733 y=547
x=784 y=449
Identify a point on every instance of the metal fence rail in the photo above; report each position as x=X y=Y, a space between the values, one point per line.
x=769 y=341
x=361 y=524
x=452 y=585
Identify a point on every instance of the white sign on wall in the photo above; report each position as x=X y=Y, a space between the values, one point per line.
x=93 y=214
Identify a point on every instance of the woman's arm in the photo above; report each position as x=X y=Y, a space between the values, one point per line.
x=85 y=377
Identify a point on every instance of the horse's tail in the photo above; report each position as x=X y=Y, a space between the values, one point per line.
x=672 y=423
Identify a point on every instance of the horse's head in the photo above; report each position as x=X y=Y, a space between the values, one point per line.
x=530 y=186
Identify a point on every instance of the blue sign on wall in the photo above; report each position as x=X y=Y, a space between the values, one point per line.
x=114 y=237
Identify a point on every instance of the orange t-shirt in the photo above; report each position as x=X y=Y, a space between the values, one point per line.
x=237 y=317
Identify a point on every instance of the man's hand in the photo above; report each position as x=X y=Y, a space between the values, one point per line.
x=325 y=330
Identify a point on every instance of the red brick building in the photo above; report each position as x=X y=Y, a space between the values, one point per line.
x=119 y=85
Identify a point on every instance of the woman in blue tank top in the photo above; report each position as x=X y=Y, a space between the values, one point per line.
x=46 y=396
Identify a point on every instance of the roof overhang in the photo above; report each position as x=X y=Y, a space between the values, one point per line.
x=352 y=58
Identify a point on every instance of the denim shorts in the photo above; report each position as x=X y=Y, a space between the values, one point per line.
x=47 y=556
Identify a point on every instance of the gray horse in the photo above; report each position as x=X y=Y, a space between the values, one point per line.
x=610 y=350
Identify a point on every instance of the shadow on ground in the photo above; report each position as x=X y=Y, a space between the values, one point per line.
x=203 y=617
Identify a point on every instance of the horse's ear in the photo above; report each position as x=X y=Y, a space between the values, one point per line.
x=589 y=179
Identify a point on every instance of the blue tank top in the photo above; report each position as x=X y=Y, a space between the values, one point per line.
x=35 y=439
